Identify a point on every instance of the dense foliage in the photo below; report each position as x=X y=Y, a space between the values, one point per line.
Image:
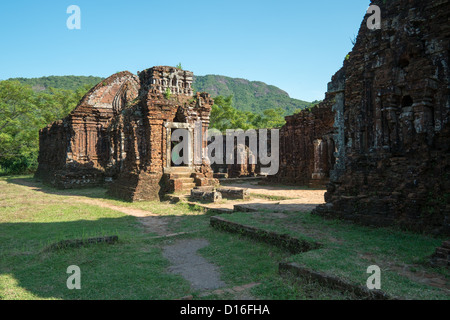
x=23 y=112
x=27 y=105
x=59 y=82
x=253 y=96
x=225 y=116
x=247 y=95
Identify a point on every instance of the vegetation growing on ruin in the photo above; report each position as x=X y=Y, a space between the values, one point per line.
x=167 y=94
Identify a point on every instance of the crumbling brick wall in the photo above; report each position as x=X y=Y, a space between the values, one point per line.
x=138 y=136
x=118 y=133
x=307 y=145
x=392 y=122
x=250 y=165
x=72 y=151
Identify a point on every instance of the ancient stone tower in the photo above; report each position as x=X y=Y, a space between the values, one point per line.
x=392 y=121
x=141 y=137
x=120 y=133
x=73 y=152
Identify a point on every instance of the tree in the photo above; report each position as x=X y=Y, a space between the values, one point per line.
x=273 y=118
x=22 y=113
x=225 y=116
x=17 y=111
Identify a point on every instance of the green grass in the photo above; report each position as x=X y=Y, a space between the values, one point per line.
x=349 y=249
x=130 y=269
x=134 y=267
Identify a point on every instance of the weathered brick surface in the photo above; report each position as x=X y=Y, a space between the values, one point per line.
x=203 y=195
x=234 y=193
x=442 y=255
x=119 y=133
x=73 y=151
x=139 y=136
x=306 y=145
x=392 y=122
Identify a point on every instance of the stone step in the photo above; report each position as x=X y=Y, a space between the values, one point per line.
x=209 y=196
x=180 y=175
x=188 y=186
x=179 y=169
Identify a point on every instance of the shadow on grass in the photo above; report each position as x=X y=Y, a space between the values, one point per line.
x=276 y=207
x=37 y=185
x=128 y=269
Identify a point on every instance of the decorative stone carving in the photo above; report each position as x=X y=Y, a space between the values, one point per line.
x=120 y=132
x=392 y=122
x=73 y=152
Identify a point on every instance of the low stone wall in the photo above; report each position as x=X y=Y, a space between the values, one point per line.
x=332 y=282
x=208 y=196
x=284 y=241
x=442 y=255
x=234 y=193
x=76 y=243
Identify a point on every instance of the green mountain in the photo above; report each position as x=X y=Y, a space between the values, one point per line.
x=59 y=82
x=254 y=96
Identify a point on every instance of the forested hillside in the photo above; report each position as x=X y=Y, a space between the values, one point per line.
x=253 y=96
x=59 y=82
x=27 y=105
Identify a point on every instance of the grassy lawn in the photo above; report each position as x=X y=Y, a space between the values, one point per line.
x=33 y=216
x=30 y=221
x=349 y=249
x=134 y=267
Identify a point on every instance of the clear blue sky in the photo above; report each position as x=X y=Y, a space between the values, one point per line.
x=296 y=45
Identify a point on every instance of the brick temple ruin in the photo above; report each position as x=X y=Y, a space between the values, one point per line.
x=307 y=148
x=379 y=140
x=249 y=165
x=381 y=137
x=120 y=133
x=392 y=114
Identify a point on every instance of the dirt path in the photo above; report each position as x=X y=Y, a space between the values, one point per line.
x=201 y=274
x=307 y=196
x=151 y=222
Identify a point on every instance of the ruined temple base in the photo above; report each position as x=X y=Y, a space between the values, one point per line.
x=442 y=255
x=138 y=187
